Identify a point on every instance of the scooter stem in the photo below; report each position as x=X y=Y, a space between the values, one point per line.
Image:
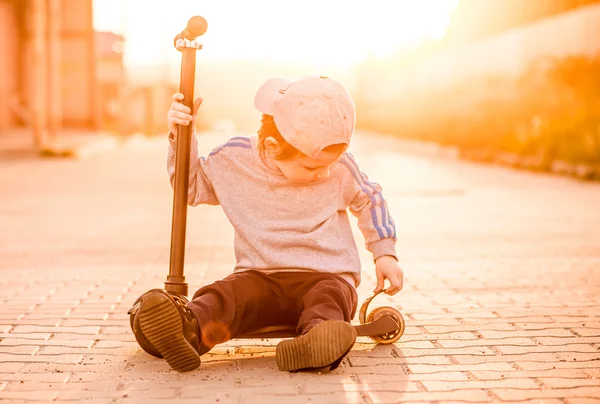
x=186 y=43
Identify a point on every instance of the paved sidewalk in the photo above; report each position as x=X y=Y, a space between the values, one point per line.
x=501 y=298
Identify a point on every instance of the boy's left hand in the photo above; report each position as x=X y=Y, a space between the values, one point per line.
x=386 y=267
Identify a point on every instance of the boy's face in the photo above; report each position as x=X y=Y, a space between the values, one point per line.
x=303 y=169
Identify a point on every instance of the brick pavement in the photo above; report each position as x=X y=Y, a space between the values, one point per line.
x=502 y=293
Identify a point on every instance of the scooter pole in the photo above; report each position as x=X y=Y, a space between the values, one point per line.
x=185 y=42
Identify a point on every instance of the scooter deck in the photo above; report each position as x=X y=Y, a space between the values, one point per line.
x=381 y=326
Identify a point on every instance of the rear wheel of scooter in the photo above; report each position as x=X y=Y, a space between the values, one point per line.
x=390 y=337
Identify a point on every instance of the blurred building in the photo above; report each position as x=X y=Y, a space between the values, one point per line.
x=477 y=19
x=111 y=78
x=47 y=60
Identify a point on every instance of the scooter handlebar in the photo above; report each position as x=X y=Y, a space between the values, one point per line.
x=196 y=27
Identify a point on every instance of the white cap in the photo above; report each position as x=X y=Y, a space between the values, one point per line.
x=311 y=113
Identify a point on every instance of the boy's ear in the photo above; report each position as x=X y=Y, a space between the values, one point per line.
x=272 y=146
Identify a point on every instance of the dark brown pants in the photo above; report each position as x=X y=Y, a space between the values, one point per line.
x=246 y=301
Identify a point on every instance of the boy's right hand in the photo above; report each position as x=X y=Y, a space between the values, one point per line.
x=179 y=114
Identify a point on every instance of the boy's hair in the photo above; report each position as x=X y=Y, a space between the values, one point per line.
x=269 y=129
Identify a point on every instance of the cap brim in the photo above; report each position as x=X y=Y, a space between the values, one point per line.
x=263 y=100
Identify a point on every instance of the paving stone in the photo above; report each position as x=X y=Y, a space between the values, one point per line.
x=500 y=298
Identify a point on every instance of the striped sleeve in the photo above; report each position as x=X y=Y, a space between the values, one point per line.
x=366 y=202
x=203 y=170
x=200 y=189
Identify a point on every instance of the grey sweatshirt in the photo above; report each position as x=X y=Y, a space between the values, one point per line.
x=281 y=226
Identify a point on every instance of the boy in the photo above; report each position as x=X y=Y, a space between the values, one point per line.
x=286 y=193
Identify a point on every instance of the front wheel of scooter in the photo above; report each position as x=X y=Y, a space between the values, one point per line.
x=134 y=322
x=141 y=339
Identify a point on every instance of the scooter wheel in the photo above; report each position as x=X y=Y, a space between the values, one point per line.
x=390 y=337
x=137 y=330
x=141 y=339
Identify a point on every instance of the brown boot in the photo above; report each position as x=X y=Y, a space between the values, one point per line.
x=171 y=328
x=324 y=346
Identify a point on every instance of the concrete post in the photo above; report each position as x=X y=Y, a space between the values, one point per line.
x=38 y=102
x=54 y=69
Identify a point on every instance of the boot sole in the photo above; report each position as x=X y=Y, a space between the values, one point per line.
x=161 y=324
x=323 y=346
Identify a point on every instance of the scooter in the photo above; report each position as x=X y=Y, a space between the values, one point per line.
x=384 y=325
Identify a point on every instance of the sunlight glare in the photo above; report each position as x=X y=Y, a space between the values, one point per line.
x=333 y=32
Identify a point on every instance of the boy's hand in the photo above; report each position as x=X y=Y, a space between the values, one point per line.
x=179 y=114
x=386 y=267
